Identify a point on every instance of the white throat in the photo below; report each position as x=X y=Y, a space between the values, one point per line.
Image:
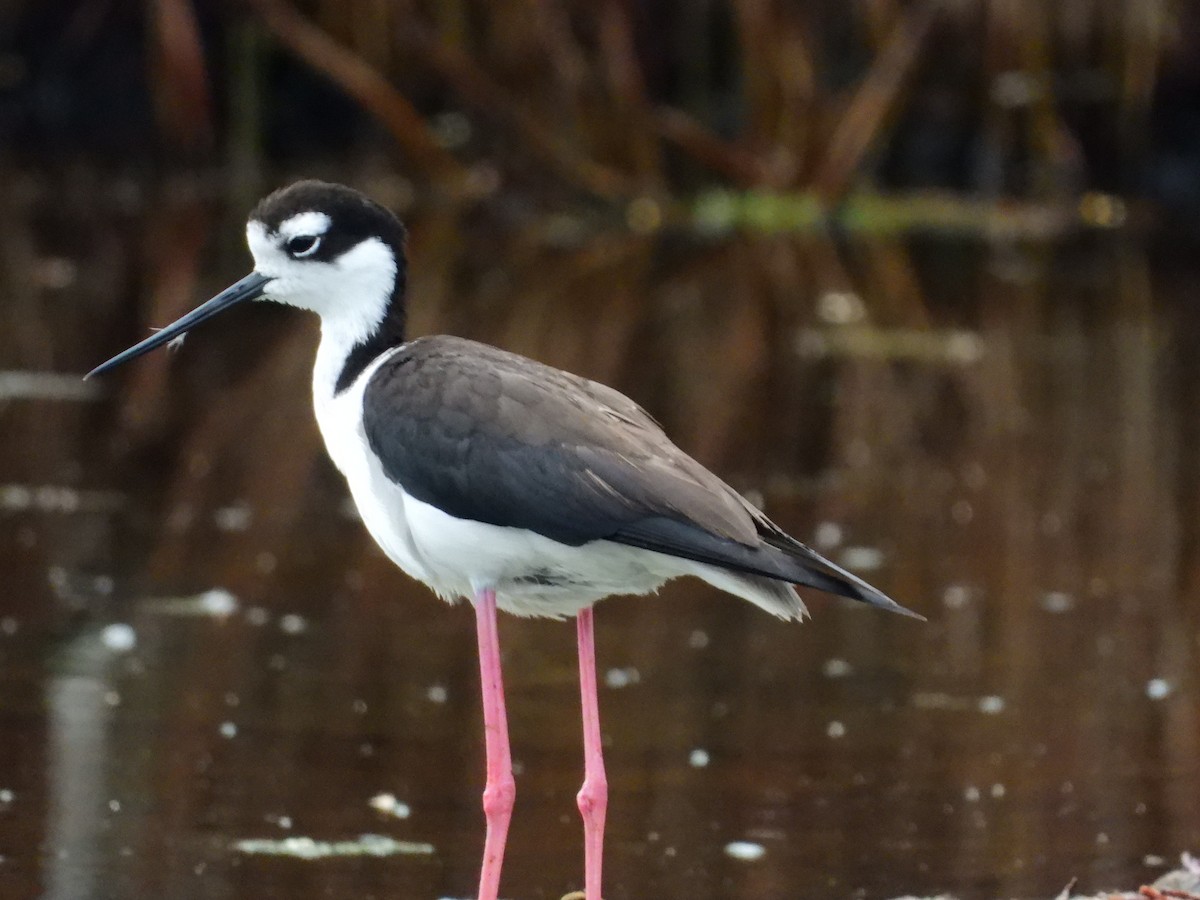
x=339 y=336
x=351 y=292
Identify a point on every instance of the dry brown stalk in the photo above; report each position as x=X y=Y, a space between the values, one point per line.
x=628 y=89
x=182 y=98
x=366 y=85
x=873 y=104
x=756 y=33
x=1153 y=893
x=738 y=165
x=479 y=90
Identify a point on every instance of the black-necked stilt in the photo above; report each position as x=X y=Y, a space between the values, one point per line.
x=490 y=476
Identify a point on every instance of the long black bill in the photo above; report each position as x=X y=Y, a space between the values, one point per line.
x=247 y=289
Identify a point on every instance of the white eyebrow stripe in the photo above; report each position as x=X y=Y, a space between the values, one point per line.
x=257 y=239
x=305 y=223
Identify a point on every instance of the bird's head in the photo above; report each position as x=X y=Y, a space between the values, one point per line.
x=318 y=246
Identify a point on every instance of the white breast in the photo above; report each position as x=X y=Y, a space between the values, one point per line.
x=380 y=502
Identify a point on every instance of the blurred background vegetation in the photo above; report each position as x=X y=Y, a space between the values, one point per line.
x=918 y=276
x=655 y=108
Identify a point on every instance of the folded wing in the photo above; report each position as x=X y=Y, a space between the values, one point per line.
x=494 y=437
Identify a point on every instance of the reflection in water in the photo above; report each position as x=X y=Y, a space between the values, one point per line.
x=1004 y=431
x=78 y=709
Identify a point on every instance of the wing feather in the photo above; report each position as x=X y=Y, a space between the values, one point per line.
x=494 y=437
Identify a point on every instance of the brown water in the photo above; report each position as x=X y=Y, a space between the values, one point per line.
x=1000 y=434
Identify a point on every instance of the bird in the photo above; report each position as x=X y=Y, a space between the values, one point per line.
x=497 y=479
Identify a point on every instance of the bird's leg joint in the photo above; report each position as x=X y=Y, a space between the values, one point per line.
x=499 y=795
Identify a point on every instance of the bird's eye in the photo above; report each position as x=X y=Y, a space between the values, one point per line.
x=303 y=245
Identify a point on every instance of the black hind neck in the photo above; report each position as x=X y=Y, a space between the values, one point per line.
x=389 y=334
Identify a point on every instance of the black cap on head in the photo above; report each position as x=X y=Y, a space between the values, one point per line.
x=353 y=217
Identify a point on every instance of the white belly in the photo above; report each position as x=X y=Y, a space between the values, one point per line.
x=532 y=574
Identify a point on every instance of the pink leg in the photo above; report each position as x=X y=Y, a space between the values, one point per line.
x=593 y=796
x=501 y=790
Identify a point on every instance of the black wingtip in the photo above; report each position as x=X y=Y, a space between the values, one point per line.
x=825 y=575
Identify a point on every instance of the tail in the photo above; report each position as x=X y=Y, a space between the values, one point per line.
x=776 y=558
x=814 y=570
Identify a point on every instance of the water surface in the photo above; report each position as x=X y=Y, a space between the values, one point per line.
x=199 y=646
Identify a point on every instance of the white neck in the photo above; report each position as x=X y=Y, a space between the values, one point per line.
x=339 y=415
x=340 y=335
x=338 y=338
